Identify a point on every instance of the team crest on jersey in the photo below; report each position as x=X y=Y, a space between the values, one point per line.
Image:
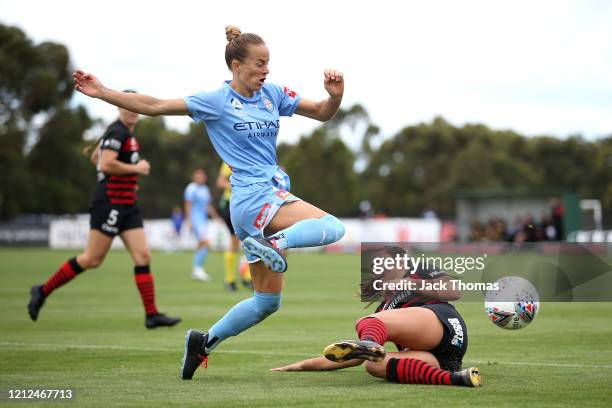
x=268 y=104
x=289 y=92
x=131 y=145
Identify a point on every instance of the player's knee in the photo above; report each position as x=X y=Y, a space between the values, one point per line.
x=376 y=369
x=143 y=258
x=362 y=319
x=90 y=262
x=337 y=227
x=267 y=303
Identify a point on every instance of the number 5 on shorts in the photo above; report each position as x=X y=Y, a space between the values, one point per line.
x=112 y=217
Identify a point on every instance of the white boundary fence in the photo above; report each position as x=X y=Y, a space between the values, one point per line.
x=72 y=233
x=590 y=236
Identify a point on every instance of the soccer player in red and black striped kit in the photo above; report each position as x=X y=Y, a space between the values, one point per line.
x=113 y=212
x=429 y=333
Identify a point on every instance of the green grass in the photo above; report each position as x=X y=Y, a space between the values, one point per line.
x=90 y=337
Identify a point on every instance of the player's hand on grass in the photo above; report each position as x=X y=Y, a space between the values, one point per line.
x=87 y=84
x=299 y=366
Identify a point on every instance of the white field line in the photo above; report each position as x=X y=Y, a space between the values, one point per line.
x=49 y=346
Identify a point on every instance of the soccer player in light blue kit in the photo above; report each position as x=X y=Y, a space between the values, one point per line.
x=197 y=208
x=242 y=121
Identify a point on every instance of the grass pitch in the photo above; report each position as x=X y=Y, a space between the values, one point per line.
x=90 y=337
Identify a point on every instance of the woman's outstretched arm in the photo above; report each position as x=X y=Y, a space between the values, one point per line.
x=90 y=85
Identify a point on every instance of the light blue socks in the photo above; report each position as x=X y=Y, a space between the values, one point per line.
x=310 y=232
x=243 y=315
x=200 y=256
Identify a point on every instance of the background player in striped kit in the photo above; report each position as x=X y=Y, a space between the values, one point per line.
x=197 y=209
x=113 y=212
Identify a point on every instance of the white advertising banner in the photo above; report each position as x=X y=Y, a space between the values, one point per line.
x=72 y=233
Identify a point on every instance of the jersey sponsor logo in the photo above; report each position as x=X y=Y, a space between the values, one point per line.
x=268 y=104
x=290 y=93
x=457 y=339
x=135 y=157
x=110 y=229
x=271 y=124
x=112 y=144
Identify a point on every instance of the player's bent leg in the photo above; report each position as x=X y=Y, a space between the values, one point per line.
x=98 y=245
x=136 y=243
x=379 y=368
x=265 y=300
x=421 y=367
x=296 y=224
x=299 y=224
x=416 y=328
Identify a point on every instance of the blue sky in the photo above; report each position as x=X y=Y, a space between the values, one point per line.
x=536 y=67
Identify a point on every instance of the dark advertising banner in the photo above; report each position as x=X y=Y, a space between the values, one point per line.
x=17 y=234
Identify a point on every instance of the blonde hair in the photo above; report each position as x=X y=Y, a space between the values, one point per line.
x=237 y=44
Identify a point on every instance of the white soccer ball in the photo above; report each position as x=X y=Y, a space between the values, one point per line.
x=514 y=305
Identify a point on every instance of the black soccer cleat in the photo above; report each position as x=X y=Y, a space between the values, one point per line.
x=195 y=353
x=354 y=349
x=230 y=287
x=160 y=320
x=37 y=300
x=468 y=377
x=271 y=256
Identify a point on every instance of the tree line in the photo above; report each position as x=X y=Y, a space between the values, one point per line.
x=43 y=169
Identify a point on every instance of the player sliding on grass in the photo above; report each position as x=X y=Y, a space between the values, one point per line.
x=429 y=333
x=242 y=120
x=114 y=211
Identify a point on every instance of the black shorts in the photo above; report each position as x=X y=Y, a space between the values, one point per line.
x=454 y=341
x=112 y=220
x=225 y=214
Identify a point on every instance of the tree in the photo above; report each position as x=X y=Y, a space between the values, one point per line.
x=34 y=79
x=321 y=171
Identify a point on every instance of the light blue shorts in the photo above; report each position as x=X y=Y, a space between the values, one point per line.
x=252 y=207
x=200 y=229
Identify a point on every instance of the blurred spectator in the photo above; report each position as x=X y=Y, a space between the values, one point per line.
x=523 y=229
x=558 y=212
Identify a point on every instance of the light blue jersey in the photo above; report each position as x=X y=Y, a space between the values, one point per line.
x=199 y=196
x=244 y=132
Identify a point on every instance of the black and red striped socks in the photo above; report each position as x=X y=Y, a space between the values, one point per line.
x=373 y=329
x=144 y=282
x=68 y=271
x=415 y=371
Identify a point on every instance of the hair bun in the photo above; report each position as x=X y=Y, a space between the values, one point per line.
x=232 y=32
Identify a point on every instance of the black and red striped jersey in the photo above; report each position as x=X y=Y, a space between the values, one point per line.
x=407 y=298
x=118 y=189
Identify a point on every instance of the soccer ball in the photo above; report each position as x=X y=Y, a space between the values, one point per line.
x=514 y=305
